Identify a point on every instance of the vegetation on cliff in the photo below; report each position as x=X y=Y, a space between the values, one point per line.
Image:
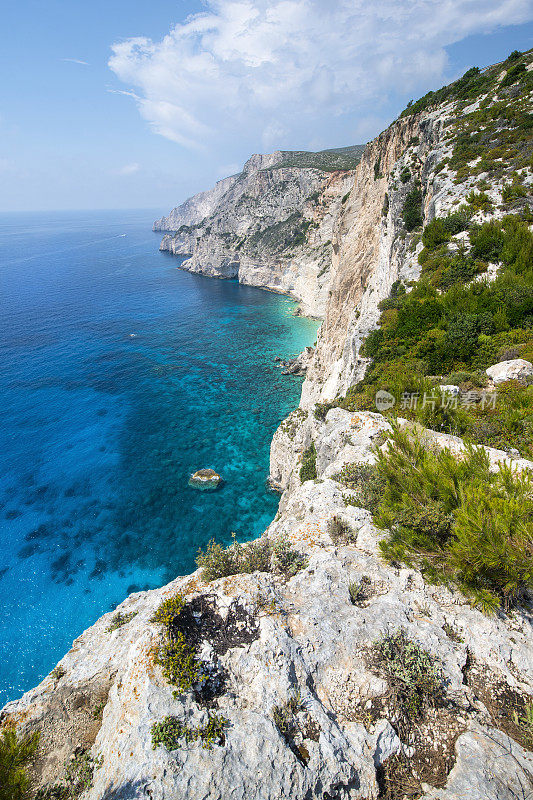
x=453 y=518
x=15 y=756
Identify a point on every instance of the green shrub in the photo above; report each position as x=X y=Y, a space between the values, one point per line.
x=321 y=409
x=479 y=201
x=261 y=555
x=365 y=483
x=525 y=724
x=412 y=210
x=513 y=75
x=435 y=233
x=178 y=661
x=119 y=619
x=168 y=610
x=487 y=241
x=221 y=562
x=414 y=675
x=492 y=545
x=286 y=560
x=15 y=756
x=175 y=655
x=405 y=175
x=171 y=733
x=456 y=520
x=308 y=468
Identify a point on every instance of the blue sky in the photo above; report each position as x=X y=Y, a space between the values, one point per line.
x=173 y=95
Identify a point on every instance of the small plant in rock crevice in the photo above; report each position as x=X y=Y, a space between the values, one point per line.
x=308 y=468
x=360 y=591
x=119 y=619
x=172 y=733
x=58 y=673
x=525 y=723
x=294 y=729
x=340 y=531
x=78 y=777
x=414 y=675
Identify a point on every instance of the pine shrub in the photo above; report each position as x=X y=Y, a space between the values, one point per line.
x=15 y=756
x=457 y=520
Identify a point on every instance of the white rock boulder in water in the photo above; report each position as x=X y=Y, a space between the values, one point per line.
x=516 y=368
x=205 y=479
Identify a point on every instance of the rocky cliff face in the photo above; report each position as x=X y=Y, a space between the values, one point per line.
x=289 y=664
x=371 y=246
x=270 y=226
x=289 y=684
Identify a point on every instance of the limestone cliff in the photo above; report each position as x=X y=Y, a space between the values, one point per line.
x=270 y=226
x=372 y=247
x=287 y=664
x=289 y=700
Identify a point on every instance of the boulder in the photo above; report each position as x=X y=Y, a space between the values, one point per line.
x=449 y=388
x=515 y=369
x=205 y=479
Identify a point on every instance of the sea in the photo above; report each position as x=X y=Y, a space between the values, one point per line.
x=121 y=374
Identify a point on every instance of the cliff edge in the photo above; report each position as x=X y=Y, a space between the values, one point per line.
x=375 y=643
x=269 y=226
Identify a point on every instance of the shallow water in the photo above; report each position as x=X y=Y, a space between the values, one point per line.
x=121 y=375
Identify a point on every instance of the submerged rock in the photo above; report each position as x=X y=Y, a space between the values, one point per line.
x=205 y=479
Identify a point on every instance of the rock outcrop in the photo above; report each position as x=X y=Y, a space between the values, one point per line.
x=205 y=479
x=514 y=369
x=270 y=226
x=302 y=645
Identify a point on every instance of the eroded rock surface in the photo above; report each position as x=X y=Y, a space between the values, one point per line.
x=301 y=636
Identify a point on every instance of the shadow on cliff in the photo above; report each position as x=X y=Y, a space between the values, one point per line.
x=131 y=790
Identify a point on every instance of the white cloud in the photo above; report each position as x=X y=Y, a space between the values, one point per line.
x=276 y=71
x=128 y=169
x=76 y=61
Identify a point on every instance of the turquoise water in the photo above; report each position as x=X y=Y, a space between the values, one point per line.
x=121 y=375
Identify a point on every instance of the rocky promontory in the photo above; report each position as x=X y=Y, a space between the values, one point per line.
x=269 y=226
x=376 y=642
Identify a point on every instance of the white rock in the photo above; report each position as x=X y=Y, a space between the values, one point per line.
x=449 y=388
x=514 y=369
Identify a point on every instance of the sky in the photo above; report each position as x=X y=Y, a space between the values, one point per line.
x=120 y=104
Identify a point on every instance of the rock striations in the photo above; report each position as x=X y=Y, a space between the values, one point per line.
x=275 y=689
x=270 y=226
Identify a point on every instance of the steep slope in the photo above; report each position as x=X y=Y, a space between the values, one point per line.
x=453 y=148
x=288 y=699
x=345 y=654
x=269 y=226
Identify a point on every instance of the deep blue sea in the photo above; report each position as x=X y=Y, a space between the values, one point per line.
x=122 y=374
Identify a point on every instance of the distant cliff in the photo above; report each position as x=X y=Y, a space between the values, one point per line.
x=269 y=226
